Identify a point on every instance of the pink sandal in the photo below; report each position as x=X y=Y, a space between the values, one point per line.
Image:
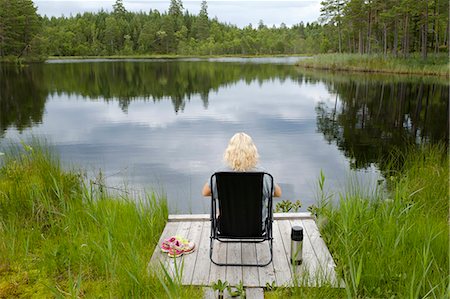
x=179 y=248
x=186 y=245
x=176 y=249
x=167 y=243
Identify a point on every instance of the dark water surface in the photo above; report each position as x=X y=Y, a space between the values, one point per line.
x=163 y=124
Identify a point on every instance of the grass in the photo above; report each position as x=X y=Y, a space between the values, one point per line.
x=394 y=244
x=437 y=65
x=60 y=237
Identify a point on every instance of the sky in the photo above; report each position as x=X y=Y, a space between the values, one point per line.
x=240 y=13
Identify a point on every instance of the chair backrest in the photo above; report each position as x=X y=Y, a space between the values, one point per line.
x=240 y=200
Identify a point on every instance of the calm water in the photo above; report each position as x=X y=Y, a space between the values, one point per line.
x=163 y=125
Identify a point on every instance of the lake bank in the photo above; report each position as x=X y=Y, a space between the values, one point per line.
x=435 y=65
x=25 y=60
x=62 y=235
x=390 y=244
x=393 y=243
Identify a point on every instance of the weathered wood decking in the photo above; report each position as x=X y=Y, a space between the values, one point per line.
x=317 y=268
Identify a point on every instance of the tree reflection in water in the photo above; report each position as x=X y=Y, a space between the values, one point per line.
x=370 y=117
x=371 y=113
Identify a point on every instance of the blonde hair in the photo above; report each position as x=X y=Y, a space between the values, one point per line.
x=241 y=153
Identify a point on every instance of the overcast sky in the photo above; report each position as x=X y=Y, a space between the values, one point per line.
x=240 y=13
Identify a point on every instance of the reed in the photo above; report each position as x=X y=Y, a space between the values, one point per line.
x=375 y=63
x=393 y=243
x=61 y=237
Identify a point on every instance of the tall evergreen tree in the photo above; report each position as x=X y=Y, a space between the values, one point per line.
x=19 y=24
x=119 y=8
x=202 y=23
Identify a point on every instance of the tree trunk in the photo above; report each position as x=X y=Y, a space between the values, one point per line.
x=360 y=42
x=340 y=38
x=385 y=39
x=425 y=33
x=406 y=38
x=395 y=45
x=369 y=29
x=435 y=29
x=350 y=44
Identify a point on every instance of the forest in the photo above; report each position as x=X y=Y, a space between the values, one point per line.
x=394 y=27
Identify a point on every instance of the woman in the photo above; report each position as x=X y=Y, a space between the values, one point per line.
x=242 y=155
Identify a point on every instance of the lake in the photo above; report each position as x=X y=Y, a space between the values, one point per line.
x=163 y=125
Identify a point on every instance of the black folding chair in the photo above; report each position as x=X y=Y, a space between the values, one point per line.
x=238 y=196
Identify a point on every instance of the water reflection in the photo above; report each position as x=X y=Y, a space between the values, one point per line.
x=370 y=117
x=22 y=97
x=165 y=124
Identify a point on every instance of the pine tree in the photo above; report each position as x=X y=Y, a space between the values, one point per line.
x=119 y=9
x=176 y=8
x=202 y=22
x=19 y=24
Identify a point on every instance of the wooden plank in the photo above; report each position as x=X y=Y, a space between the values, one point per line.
x=189 y=217
x=307 y=273
x=289 y=216
x=169 y=230
x=219 y=255
x=234 y=255
x=284 y=227
x=318 y=264
x=267 y=273
x=190 y=260
x=281 y=263
x=175 y=266
x=203 y=263
x=326 y=264
x=254 y=293
x=250 y=275
x=208 y=293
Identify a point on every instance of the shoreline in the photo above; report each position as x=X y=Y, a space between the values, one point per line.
x=378 y=64
x=434 y=66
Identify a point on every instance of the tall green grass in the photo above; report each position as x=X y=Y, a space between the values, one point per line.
x=61 y=237
x=376 y=63
x=394 y=244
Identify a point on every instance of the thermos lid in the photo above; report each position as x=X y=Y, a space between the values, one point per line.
x=297 y=233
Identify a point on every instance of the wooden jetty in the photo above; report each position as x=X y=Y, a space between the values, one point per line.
x=197 y=269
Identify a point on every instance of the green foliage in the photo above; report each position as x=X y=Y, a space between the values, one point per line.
x=173 y=32
x=232 y=291
x=19 y=25
x=305 y=292
x=237 y=291
x=271 y=286
x=286 y=206
x=363 y=27
x=395 y=244
x=60 y=237
x=220 y=287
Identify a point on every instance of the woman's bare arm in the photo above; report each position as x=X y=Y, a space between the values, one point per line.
x=206 y=190
x=277 y=191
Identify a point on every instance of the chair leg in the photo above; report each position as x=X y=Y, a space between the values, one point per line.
x=211 y=248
